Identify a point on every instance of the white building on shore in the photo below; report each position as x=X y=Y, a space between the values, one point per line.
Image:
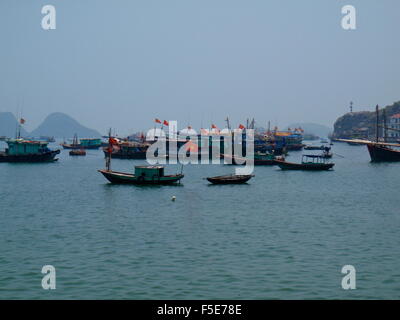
x=394 y=123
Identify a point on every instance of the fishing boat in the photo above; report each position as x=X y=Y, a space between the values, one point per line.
x=383 y=153
x=82 y=143
x=128 y=150
x=230 y=179
x=21 y=150
x=309 y=162
x=260 y=159
x=143 y=175
x=310 y=147
x=149 y=175
x=77 y=152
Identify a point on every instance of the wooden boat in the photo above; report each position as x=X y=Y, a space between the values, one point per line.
x=21 y=150
x=144 y=175
x=82 y=143
x=382 y=153
x=230 y=179
x=309 y=162
x=77 y=152
x=128 y=150
x=260 y=159
x=309 y=147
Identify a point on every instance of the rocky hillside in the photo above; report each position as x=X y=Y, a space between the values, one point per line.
x=361 y=124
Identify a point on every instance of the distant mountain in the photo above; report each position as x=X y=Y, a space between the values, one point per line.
x=9 y=124
x=313 y=128
x=60 y=125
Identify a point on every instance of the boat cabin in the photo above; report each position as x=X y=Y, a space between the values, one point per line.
x=312 y=158
x=149 y=171
x=90 y=142
x=25 y=147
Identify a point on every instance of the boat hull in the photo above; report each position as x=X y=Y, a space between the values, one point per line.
x=305 y=166
x=125 y=178
x=131 y=155
x=230 y=179
x=257 y=161
x=78 y=146
x=383 y=154
x=42 y=157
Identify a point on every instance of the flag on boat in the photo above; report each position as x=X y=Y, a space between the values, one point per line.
x=166 y=123
x=241 y=126
x=214 y=126
x=157 y=120
x=22 y=121
x=112 y=141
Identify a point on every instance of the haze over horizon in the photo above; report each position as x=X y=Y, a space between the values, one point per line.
x=121 y=64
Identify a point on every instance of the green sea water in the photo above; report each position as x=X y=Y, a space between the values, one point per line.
x=284 y=235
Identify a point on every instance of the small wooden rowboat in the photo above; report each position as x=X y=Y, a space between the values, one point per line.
x=230 y=179
x=77 y=152
x=311 y=163
x=149 y=175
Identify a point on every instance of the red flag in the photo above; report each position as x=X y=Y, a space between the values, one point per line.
x=112 y=141
x=157 y=120
x=166 y=123
x=214 y=126
x=241 y=126
x=21 y=121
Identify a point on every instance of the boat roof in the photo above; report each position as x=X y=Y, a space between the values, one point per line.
x=23 y=141
x=149 y=167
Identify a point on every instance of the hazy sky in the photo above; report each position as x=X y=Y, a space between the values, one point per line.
x=122 y=63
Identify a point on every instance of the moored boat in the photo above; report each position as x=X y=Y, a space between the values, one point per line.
x=309 y=162
x=144 y=175
x=77 y=152
x=21 y=150
x=260 y=159
x=382 y=153
x=310 y=147
x=151 y=175
x=82 y=144
x=230 y=179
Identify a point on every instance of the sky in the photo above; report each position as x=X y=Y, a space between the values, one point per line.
x=122 y=63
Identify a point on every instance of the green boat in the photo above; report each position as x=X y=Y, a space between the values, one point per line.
x=21 y=150
x=149 y=175
x=309 y=162
x=144 y=175
x=260 y=159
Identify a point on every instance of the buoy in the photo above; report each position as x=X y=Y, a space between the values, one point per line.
x=173 y=198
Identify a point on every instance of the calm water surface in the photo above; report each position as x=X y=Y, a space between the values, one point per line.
x=285 y=235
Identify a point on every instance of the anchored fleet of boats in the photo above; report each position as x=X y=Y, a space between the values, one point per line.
x=269 y=149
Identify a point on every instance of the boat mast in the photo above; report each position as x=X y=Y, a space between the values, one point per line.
x=108 y=157
x=384 y=126
x=377 y=123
